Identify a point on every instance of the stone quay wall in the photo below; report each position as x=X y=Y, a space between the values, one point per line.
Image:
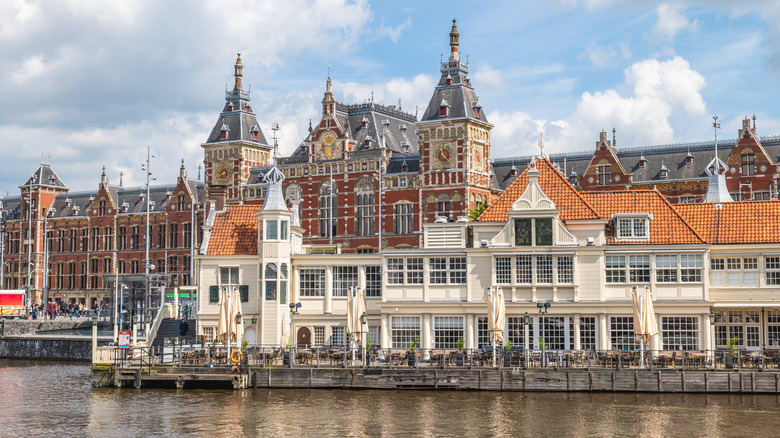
x=18 y=340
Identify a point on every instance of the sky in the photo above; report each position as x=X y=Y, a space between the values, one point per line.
x=91 y=83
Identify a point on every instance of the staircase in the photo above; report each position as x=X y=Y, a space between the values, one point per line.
x=169 y=328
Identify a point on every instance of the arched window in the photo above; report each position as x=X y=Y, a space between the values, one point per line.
x=328 y=209
x=444 y=206
x=270 y=282
x=364 y=201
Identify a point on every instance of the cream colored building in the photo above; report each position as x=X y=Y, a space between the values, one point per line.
x=541 y=241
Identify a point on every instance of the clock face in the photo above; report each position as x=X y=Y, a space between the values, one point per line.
x=222 y=173
x=328 y=147
x=443 y=155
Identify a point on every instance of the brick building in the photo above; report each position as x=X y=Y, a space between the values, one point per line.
x=95 y=240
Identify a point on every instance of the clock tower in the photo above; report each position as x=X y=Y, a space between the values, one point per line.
x=455 y=144
x=235 y=145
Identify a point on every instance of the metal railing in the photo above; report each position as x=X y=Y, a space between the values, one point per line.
x=189 y=353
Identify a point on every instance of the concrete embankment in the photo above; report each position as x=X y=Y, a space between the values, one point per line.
x=490 y=379
x=22 y=339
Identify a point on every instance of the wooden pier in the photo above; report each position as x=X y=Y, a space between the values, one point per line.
x=484 y=379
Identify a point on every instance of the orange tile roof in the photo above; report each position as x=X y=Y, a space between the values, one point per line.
x=667 y=227
x=554 y=184
x=742 y=222
x=234 y=231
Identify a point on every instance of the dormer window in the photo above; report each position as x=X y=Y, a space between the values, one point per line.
x=230 y=107
x=91 y=200
x=151 y=205
x=632 y=226
x=386 y=124
x=444 y=109
x=689 y=159
x=67 y=202
x=255 y=131
x=477 y=110
x=513 y=171
x=573 y=178
x=364 y=123
x=168 y=195
x=367 y=141
x=223 y=131
x=304 y=149
x=52 y=180
x=468 y=82
x=403 y=129
x=404 y=167
x=249 y=108
x=642 y=162
x=75 y=210
x=51 y=212
x=405 y=147
x=664 y=173
x=449 y=80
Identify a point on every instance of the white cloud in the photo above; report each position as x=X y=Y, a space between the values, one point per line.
x=394 y=33
x=670 y=22
x=489 y=78
x=603 y=57
x=657 y=98
x=414 y=94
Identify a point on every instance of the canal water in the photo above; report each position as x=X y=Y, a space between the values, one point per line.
x=56 y=399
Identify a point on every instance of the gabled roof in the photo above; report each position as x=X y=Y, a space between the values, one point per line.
x=743 y=222
x=566 y=198
x=234 y=231
x=667 y=226
x=45 y=176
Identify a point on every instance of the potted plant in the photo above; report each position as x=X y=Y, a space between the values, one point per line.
x=731 y=350
x=411 y=356
x=507 y=353
x=286 y=355
x=244 y=343
x=459 y=355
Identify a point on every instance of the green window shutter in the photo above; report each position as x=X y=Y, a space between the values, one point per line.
x=213 y=294
x=244 y=291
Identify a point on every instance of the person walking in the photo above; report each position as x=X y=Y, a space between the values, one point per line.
x=184 y=328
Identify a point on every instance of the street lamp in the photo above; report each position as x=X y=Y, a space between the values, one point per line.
x=543 y=308
x=526 y=327
x=3 y=216
x=294 y=310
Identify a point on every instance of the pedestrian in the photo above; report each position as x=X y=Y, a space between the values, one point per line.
x=184 y=328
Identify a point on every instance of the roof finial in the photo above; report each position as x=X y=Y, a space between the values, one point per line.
x=541 y=145
x=614 y=142
x=715 y=127
x=754 y=123
x=104 y=178
x=238 y=73
x=199 y=166
x=121 y=175
x=182 y=172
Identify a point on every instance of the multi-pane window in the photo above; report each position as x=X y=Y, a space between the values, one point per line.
x=121 y=239
x=319 y=335
x=364 y=203
x=748 y=164
x=680 y=332
x=312 y=282
x=443 y=270
x=271 y=230
x=402 y=270
x=373 y=336
x=772 y=268
x=734 y=271
x=615 y=269
x=639 y=268
x=553 y=332
x=565 y=267
x=621 y=333
x=328 y=213
x=270 y=281
x=446 y=331
x=503 y=270
x=161 y=236
x=187 y=234
x=741 y=324
x=344 y=277
x=524 y=269
x=691 y=268
x=544 y=269
x=373 y=281
x=516 y=331
x=588 y=332
x=773 y=328
x=283 y=277
x=603 y=173
x=536 y=232
x=632 y=228
x=404 y=223
x=666 y=268
x=404 y=330
x=174 y=235
x=483 y=334
x=108 y=238
x=338 y=336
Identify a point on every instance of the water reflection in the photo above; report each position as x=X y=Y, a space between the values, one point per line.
x=56 y=398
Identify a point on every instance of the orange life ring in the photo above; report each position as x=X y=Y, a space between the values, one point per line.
x=236 y=356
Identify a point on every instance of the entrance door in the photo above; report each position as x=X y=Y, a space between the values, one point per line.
x=304 y=337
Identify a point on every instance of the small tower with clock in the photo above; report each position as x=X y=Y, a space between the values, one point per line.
x=235 y=145
x=455 y=143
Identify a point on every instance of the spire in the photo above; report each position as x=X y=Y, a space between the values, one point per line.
x=716 y=186
x=454 y=35
x=328 y=101
x=238 y=73
x=103 y=178
x=182 y=172
x=274 y=198
x=541 y=145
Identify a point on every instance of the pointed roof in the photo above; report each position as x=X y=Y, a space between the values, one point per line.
x=44 y=176
x=554 y=184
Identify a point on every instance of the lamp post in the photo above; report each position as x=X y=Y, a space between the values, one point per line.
x=239 y=331
x=3 y=216
x=294 y=310
x=363 y=318
x=148 y=266
x=543 y=308
x=713 y=342
x=94 y=337
x=526 y=326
